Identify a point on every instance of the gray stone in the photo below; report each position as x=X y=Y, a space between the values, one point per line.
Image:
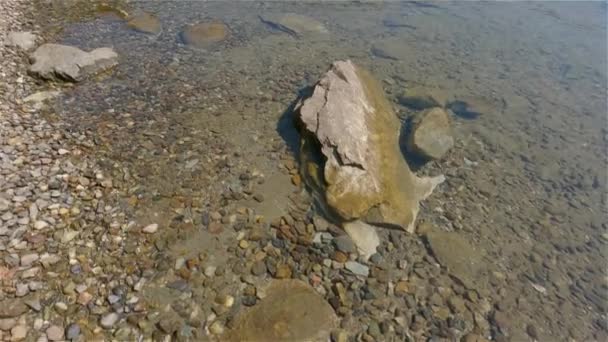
x=68 y=63
x=463 y=260
x=364 y=236
x=7 y=324
x=73 y=331
x=431 y=135
x=345 y=244
x=12 y=308
x=37 y=100
x=357 y=268
x=108 y=320
x=258 y=268
x=55 y=333
x=364 y=175
x=23 y=40
x=145 y=22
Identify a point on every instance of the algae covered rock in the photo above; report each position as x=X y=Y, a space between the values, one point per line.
x=350 y=151
x=291 y=311
x=431 y=135
x=422 y=97
x=145 y=23
x=205 y=34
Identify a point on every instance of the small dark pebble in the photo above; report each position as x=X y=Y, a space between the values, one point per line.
x=531 y=330
x=180 y=285
x=249 y=300
x=258 y=268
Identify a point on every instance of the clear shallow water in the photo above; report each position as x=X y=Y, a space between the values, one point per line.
x=526 y=180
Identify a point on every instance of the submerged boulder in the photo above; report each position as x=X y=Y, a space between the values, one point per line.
x=423 y=97
x=350 y=151
x=291 y=311
x=206 y=34
x=68 y=63
x=145 y=23
x=431 y=135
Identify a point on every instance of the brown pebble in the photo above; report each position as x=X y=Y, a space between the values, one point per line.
x=296 y=180
x=215 y=228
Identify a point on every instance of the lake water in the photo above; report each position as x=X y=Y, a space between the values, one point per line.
x=181 y=127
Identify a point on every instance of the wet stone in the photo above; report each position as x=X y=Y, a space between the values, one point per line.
x=72 y=331
x=55 y=333
x=145 y=22
x=286 y=302
x=12 y=308
x=345 y=244
x=357 y=268
x=108 y=320
x=7 y=324
x=205 y=35
x=258 y=268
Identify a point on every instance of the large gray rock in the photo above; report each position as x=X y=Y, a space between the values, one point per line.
x=68 y=63
x=431 y=135
x=350 y=151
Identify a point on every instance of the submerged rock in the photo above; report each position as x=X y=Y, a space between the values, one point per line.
x=462 y=259
x=294 y=24
x=423 y=97
x=205 y=35
x=350 y=151
x=390 y=49
x=291 y=311
x=431 y=135
x=22 y=40
x=145 y=22
x=471 y=107
x=68 y=63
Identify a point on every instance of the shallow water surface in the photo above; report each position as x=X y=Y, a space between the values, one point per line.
x=190 y=129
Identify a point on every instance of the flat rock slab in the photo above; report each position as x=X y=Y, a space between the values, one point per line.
x=68 y=63
x=145 y=23
x=294 y=24
x=462 y=259
x=205 y=35
x=431 y=135
x=291 y=311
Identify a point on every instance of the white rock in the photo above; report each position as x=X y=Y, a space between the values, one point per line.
x=62 y=62
x=364 y=236
x=23 y=40
x=109 y=320
x=38 y=225
x=150 y=229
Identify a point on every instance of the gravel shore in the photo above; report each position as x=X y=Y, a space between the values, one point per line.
x=49 y=192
